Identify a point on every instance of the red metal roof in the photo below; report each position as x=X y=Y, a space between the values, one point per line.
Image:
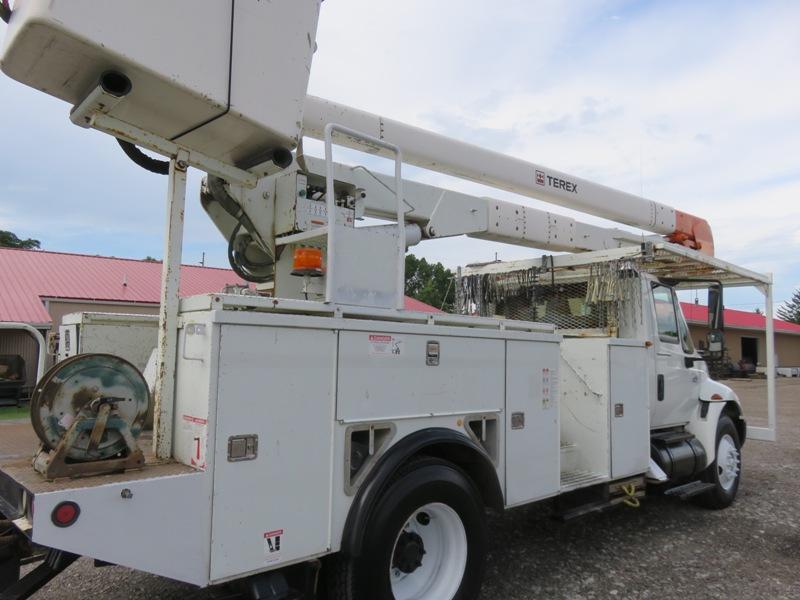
x=27 y=277
x=414 y=304
x=737 y=319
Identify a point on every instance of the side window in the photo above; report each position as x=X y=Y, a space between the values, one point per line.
x=665 y=314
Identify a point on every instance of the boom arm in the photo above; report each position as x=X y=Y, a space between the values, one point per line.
x=439 y=153
x=443 y=213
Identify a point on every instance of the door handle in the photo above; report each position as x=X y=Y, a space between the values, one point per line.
x=660 y=385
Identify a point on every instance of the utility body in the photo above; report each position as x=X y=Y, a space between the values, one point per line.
x=316 y=435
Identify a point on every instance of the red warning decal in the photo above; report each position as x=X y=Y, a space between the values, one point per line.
x=385 y=345
x=272 y=544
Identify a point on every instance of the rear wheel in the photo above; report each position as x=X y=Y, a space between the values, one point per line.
x=726 y=470
x=424 y=541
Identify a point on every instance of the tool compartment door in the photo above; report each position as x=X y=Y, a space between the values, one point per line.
x=383 y=375
x=532 y=421
x=276 y=383
x=631 y=380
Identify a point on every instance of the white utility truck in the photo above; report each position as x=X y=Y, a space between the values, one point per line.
x=317 y=438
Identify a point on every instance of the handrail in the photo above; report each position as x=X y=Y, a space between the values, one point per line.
x=330 y=200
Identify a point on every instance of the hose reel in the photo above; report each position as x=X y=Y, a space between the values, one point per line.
x=88 y=411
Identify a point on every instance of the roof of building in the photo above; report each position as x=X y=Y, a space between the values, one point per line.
x=417 y=305
x=28 y=277
x=737 y=319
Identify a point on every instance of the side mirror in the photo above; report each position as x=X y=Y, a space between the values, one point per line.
x=716 y=312
x=690 y=360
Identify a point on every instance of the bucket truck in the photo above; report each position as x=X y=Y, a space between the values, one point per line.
x=318 y=435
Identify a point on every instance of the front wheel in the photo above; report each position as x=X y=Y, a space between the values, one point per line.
x=424 y=541
x=726 y=470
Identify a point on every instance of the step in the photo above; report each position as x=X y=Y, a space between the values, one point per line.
x=688 y=490
x=573 y=480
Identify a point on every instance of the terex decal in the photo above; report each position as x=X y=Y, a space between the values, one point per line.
x=554 y=182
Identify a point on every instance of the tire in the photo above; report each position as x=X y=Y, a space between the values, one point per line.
x=426 y=539
x=726 y=470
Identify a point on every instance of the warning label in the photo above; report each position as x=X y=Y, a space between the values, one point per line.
x=385 y=345
x=272 y=544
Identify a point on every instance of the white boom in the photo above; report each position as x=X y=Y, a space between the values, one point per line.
x=443 y=213
x=446 y=155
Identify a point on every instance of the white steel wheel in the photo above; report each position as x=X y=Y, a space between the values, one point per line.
x=726 y=470
x=425 y=539
x=430 y=555
x=728 y=462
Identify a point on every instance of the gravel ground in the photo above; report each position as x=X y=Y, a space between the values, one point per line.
x=665 y=549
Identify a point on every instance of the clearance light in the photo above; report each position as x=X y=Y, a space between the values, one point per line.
x=716 y=397
x=65 y=514
x=307 y=262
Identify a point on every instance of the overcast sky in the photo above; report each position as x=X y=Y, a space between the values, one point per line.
x=696 y=105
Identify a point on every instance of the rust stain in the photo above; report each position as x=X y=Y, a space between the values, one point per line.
x=83 y=397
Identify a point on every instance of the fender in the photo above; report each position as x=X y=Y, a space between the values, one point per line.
x=437 y=441
x=714 y=391
x=715 y=399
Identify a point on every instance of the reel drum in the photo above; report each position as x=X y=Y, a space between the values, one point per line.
x=78 y=387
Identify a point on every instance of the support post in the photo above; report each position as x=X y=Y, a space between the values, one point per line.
x=768 y=433
x=168 y=314
x=771 y=370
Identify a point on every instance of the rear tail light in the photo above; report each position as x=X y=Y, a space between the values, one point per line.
x=65 y=514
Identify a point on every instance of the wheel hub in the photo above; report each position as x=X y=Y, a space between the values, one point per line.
x=429 y=557
x=727 y=462
x=408 y=552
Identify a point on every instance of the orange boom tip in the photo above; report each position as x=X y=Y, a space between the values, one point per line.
x=692 y=232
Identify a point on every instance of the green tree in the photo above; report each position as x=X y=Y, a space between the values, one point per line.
x=9 y=240
x=431 y=283
x=790 y=310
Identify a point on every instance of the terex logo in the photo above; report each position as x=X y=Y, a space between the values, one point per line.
x=555 y=182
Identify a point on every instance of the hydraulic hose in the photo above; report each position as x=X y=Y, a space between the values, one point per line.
x=241 y=265
x=159 y=167
x=245 y=268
